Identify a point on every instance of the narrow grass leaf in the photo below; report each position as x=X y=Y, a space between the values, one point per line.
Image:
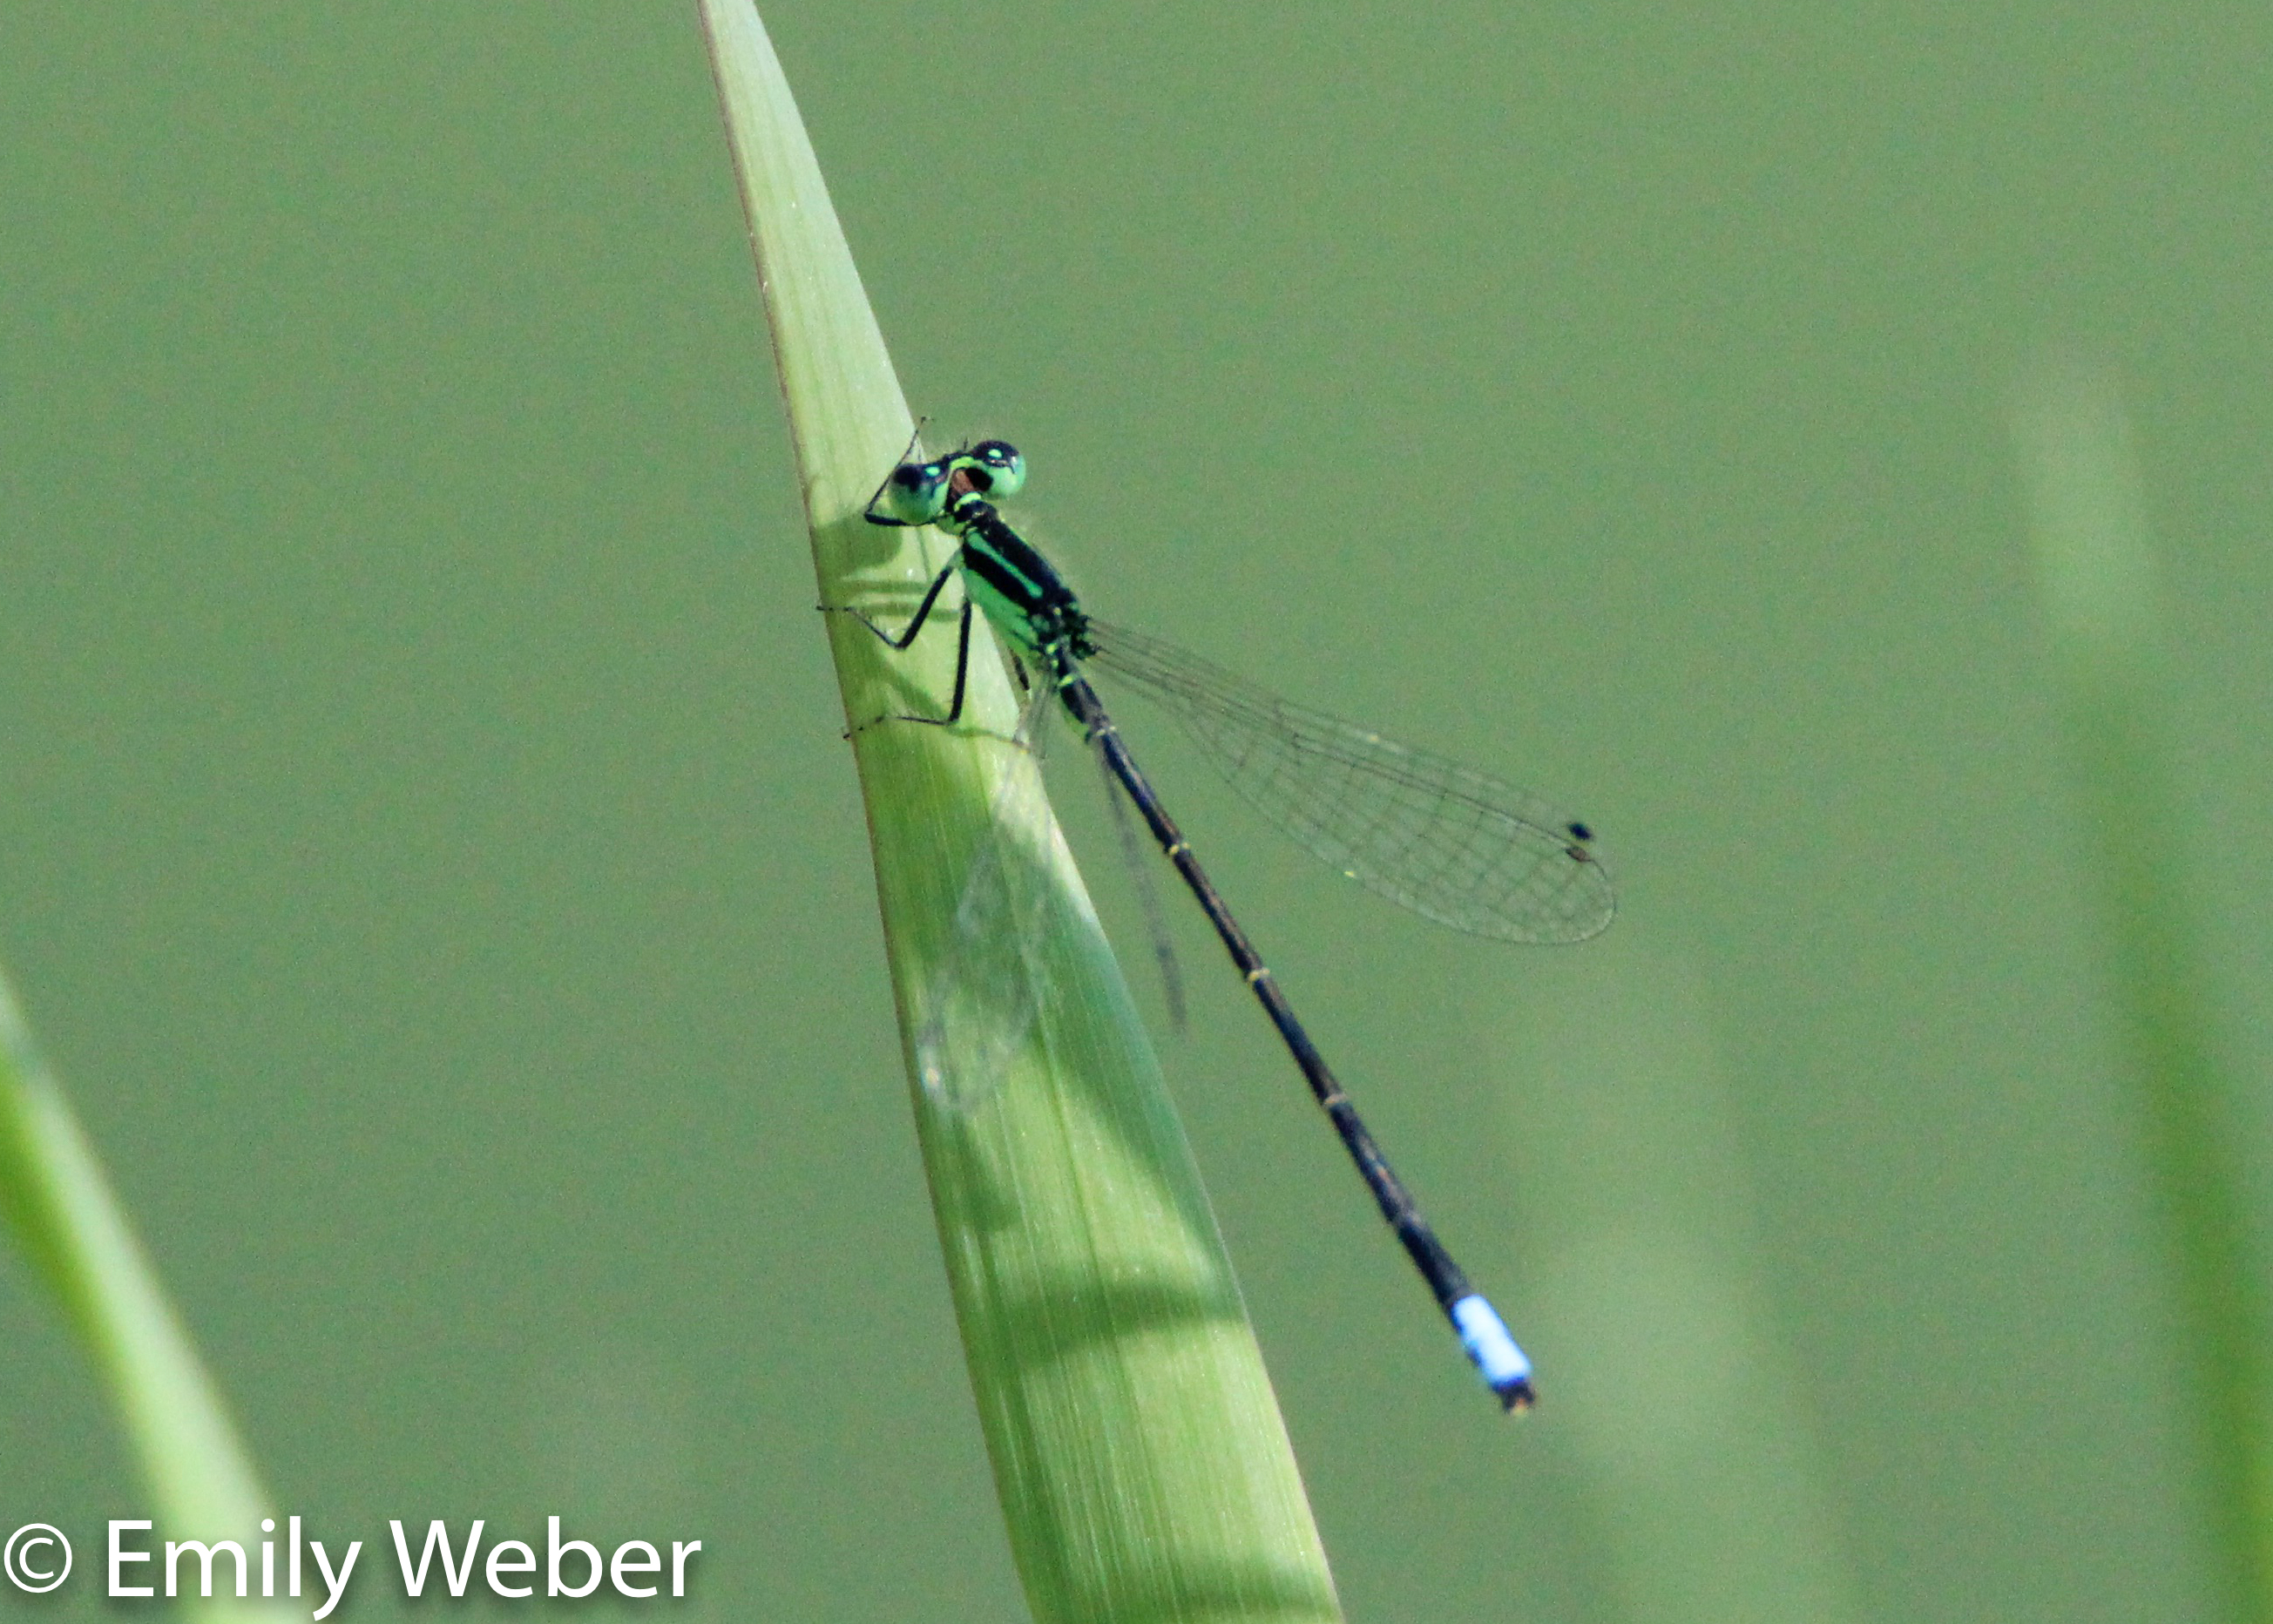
x=2096 y=571
x=69 y=1224
x=1143 y=1468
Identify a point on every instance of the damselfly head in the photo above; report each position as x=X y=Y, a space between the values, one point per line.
x=915 y=493
x=995 y=466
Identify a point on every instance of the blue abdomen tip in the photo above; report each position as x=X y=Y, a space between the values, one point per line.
x=1502 y=1366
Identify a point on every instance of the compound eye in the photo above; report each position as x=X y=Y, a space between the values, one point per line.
x=915 y=495
x=997 y=468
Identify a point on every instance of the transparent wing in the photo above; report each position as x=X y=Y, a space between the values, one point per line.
x=982 y=1000
x=1429 y=834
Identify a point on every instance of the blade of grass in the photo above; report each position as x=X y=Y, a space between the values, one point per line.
x=2097 y=575
x=1143 y=1470
x=71 y=1228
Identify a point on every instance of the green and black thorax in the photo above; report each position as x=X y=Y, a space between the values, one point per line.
x=1020 y=592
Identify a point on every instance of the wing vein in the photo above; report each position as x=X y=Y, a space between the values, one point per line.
x=1451 y=844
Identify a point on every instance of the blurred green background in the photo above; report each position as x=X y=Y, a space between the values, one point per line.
x=427 y=852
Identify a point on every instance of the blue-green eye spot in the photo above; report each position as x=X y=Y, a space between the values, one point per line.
x=997 y=467
x=916 y=494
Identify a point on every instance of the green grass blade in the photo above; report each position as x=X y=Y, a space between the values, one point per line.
x=2098 y=582
x=1143 y=1470
x=69 y=1224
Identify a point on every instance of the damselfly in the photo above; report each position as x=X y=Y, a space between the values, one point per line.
x=1431 y=835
